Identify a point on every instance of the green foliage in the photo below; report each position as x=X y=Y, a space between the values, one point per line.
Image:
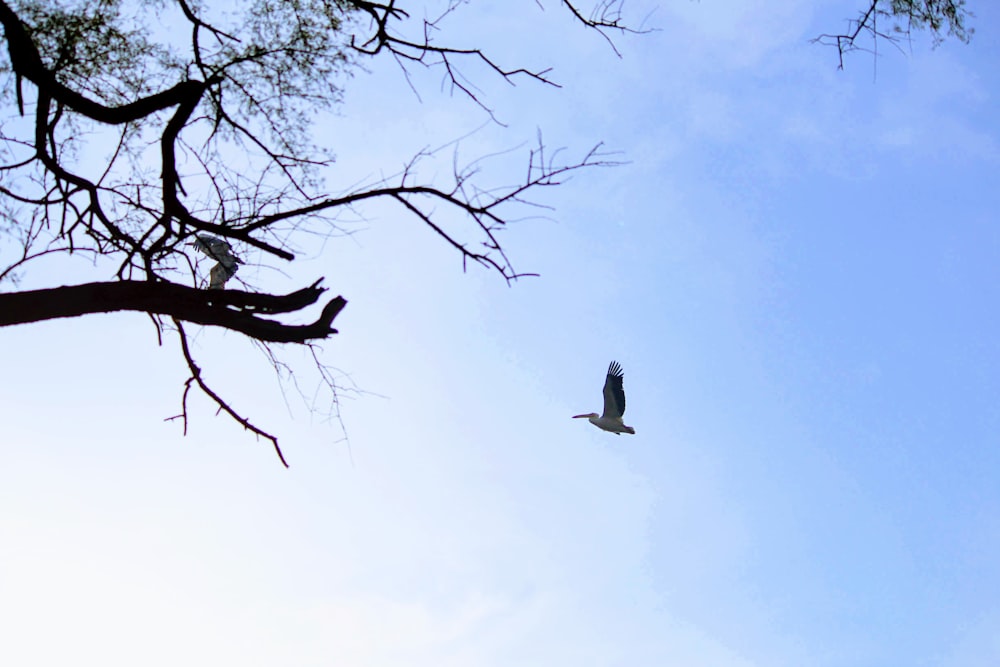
x=277 y=62
x=940 y=17
x=284 y=62
x=94 y=46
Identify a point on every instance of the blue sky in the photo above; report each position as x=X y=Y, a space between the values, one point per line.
x=797 y=269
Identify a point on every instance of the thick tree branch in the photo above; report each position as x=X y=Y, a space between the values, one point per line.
x=27 y=62
x=230 y=309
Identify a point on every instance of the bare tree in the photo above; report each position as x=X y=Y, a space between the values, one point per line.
x=132 y=146
x=894 y=21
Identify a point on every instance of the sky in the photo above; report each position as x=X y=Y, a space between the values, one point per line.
x=797 y=268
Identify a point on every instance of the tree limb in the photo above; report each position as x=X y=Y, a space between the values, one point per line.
x=231 y=309
x=27 y=62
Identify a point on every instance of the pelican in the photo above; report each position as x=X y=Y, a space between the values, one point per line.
x=221 y=252
x=614 y=404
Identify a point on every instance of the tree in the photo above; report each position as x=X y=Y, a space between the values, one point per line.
x=140 y=148
x=895 y=20
x=209 y=136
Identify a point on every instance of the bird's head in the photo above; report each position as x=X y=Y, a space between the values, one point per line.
x=589 y=415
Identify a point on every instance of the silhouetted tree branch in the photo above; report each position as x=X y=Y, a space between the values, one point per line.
x=139 y=149
x=895 y=20
x=230 y=309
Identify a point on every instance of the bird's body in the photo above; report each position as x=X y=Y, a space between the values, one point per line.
x=222 y=252
x=614 y=404
x=219 y=274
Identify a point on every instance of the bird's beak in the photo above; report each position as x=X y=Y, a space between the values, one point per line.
x=579 y=416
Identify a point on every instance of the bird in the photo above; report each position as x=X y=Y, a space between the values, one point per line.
x=614 y=404
x=221 y=252
x=219 y=274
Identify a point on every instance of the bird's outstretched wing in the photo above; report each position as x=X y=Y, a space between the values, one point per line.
x=222 y=252
x=614 y=393
x=217 y=249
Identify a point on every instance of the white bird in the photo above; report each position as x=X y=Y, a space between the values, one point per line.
x=221 y=252
x=614 y=404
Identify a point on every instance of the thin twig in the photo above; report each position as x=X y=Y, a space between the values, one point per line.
x=219 y=401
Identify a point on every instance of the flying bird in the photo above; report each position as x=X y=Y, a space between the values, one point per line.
x=222 y=253
x=614 y=404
